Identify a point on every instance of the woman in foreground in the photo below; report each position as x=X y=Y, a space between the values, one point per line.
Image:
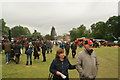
x=60 y=65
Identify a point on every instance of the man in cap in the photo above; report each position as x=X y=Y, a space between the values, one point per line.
x=87 y=64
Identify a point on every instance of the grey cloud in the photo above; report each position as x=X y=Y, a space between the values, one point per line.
x=63 y=15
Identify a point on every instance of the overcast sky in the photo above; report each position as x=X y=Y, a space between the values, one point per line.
x=41 y=16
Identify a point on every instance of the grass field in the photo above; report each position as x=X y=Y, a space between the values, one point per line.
x=107 y=57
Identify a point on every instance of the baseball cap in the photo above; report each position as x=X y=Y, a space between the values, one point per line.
x=88 y=42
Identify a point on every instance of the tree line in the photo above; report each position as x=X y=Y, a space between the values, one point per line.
x=108 y=30
x=17 y=31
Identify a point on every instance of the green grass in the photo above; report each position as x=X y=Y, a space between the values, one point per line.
x=107 y=57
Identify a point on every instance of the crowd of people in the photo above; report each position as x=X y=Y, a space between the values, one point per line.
x=14 y=49
x=86 y=65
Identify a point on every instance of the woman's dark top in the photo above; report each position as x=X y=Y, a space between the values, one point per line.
x=61 y=66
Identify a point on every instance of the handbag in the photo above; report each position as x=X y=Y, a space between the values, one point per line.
x=50 y=77
x=39 y=52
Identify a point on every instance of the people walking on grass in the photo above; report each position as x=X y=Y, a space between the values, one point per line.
x=26 y=45
x=17 y=51
x=36 y=50
x=62 y=44
x=87 y=64
x=7 y=47
x=29 y=50
x=67 y=48
x=44 y=48
x=60 y=65
x=51 y=46
x=56 y=43
x=73 y=48
x=80 y=44
x=12 y=55
x=48 y=46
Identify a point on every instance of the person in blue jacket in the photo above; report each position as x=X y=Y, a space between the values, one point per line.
x=28 y=52
x=60 y=65
x=62 y=44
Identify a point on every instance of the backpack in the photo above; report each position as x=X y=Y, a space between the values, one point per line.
x=29 y=51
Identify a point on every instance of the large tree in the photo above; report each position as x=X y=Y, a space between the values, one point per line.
x=108 y=30
x=4 y=28
x=113 y=27
x=53 y=33
x=37 y=35
x=99 y=30
x=48 y=37
x=73 y=34
x=78 y=32
x=27 y=31
x=20 y=31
